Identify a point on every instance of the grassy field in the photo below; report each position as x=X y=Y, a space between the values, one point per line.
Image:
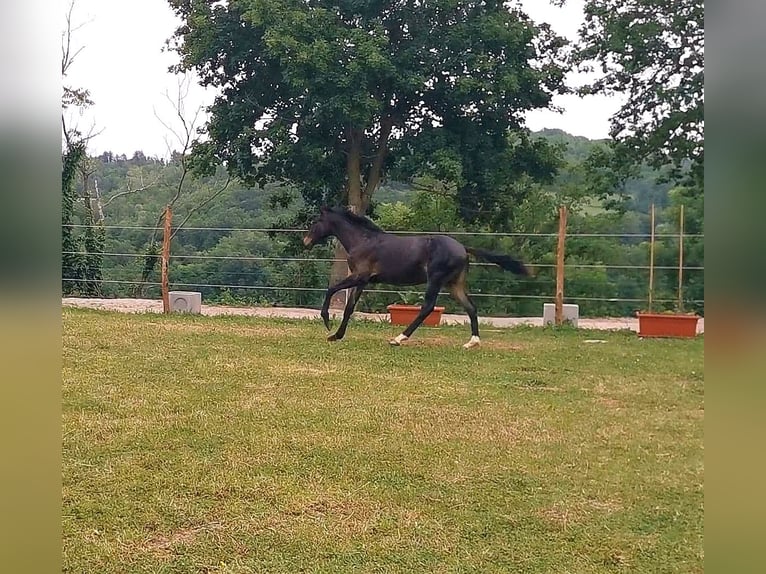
x=202 y=444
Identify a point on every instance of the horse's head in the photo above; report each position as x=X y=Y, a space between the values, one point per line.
x=319 y=230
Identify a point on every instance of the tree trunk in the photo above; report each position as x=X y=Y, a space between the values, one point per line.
x=358 y=196
x=376 y=169
x=354 y=194
x=338 y=271
x=354 y=172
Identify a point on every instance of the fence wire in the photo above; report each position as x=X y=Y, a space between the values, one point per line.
x=332 y=260
x=273 y=281
x=397 y=232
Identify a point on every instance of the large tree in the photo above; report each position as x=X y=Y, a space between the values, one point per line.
x=330 y=95
x=652 y=52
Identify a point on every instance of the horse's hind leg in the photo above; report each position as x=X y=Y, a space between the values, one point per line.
x=353 y=298
x=432 y=292
x=460 y=294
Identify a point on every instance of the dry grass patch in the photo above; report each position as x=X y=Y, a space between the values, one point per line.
x=609 y=402
x=432 y=340
x=500 y=426
x=569 y=512
x=165 y=544
x=251 y=332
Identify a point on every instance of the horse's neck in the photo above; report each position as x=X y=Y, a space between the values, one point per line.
x=347 y=233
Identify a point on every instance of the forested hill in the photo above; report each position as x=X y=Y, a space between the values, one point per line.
x=118 y=173
x=608 y=274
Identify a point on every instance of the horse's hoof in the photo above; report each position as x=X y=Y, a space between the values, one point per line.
x=333 y=337
x=398 y=340
x=474 y=342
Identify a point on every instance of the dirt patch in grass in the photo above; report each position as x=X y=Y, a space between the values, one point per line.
x=609 y=402
x=696 y=413
x=329 y=508
x=163 y=544
x=568 y=513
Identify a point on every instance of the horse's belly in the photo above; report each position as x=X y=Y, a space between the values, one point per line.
x=412 y=276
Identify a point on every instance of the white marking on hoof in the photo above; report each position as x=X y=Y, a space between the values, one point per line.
x=473 y=342
x=398 y=340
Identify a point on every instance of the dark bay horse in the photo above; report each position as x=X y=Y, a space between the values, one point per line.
x=375 y=256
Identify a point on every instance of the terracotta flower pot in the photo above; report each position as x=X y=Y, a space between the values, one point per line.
x=667 y=324
x=405 y=314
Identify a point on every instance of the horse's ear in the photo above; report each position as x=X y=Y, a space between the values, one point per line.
x=323 y=209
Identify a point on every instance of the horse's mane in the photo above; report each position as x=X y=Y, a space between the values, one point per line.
x=355 y=219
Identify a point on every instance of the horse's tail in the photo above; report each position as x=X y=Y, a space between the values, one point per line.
x=505 y=261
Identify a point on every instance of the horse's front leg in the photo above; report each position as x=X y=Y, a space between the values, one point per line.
x=353 y=299
x=350 y=281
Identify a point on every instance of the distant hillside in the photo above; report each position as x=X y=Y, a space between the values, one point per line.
x=644 y=190
x=117 y=172
x=578 y=147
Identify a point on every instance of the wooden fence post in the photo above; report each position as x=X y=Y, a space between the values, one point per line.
x=560 y=265
x=651 y=261
x=166 y=260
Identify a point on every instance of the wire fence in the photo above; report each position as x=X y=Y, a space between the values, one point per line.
x=335 y=260
x=603 y=288
x=397 y=232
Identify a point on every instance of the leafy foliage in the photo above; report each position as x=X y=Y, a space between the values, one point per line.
x=331 y=95
x=81 y=253
x=70 y=262
x=653 y=52
x=272 y=267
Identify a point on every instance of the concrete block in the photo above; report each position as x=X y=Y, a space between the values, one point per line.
x=186 y=302
x=570 y=313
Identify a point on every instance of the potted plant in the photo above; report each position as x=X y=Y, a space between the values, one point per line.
x=675 y=323
x=405 y=312
x=667 y=324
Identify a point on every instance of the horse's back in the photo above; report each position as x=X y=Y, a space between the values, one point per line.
x=449 y=246
x=426 y=248
x=408 y=259
x=400 y=259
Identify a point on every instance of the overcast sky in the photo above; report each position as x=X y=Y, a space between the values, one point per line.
x=125 y=68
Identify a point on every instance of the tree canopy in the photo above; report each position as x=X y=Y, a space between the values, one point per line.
x=331 y=95
x=652 y=51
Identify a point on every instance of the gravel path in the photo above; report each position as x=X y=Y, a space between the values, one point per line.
x=155 y=306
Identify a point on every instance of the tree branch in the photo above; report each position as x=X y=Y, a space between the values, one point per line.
x=130 y=191
x=67 y=58
x=193 y=210
x=376 y=169
x=66 y=133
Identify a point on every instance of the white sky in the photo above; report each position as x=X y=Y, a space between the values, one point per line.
x=125 y=68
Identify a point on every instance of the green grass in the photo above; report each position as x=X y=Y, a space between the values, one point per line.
x=229 y=444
